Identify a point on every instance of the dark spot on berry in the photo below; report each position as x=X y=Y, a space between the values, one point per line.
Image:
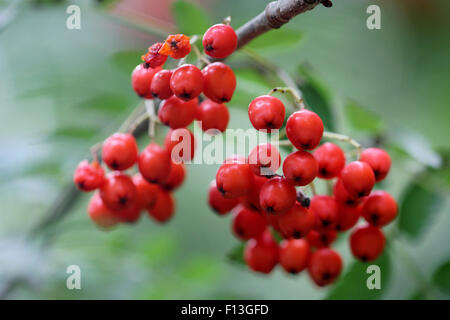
x=174 y=44
x=293 y=271
x=361 y=194
x=154 y=95
x=297 y=178
x=305 y=145
x=123 y=200
x=325 y=223
x=323 y=172
x=240 y=232
x=364 y=258
x=350 y=202
x=296 y=234
x=81 y=185
x=377 y=174
x=324 y=239
x=209 y=47
x=270 y=209
x=254 y=207
x=221 y=190
x=374 y=218
x=270 y=125
x=338 y=228
x=224 y=99
x=115 y=165
x=146 y=65
x=186 y=95
x=326 y=276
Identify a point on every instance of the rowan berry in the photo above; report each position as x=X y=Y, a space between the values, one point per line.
x=120 y=151
x=154 y=163
x=300 y=167
x=342 y=196
x=379 y=208
x=146 y=191
x=358 y=179
x=348 y=216
x=153 y=58
x=367 y=243
x=234 y=180
x=177 y=46
x=160 y=87
x=277 y=195
x=325 y=265
x=213 y=115
x=130 y=214
x=219 y=82
x=297 y=222
x=219 y=41
x=175 y=178
x=326 y=212
x=88 y=176
x=251 y=200
x=294 y=254
x=264 y=159
x=247 y=224
x=218 y=202
x=164 y=207
x=379 y=160
x=261 y=254
x=187 y=82
x=321 y=239
x=177 y=113
x=331 y=160
x=266 y=113
x=118 y=192
x=304 y=129
x=180 y=143
x=141 y=79
x=100 y=214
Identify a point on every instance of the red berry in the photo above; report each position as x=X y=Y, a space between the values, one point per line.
x=153 y=58
x=379 y=160
x=118 y=192
x=342 y=196
x=264 y=159
x=154 y=163
x=177 y=113
x=217 y=202
x=326 y=211
x=146 y=192
x=261 y=254
x=213 y=115
x=294 y=254
x=187 y=82
x=304 y=129
x=219 y=41
x=297 y=222
x=180 y=143
x=141 y=79
x=325 y=265
x=219 y=82
x=379 y=209
x=234 y=180
x=358 y=179
x=164 y=207
x=160 y=87
x=331 y=160
x=348 y=216
x=177 y=46
x=251 y=200
x=175 y=178
x=120 y=151
x=247 y=224
x=130 y=214
x=88 y=176
x=266 y=113
x=277 y=195
x=100 y=214
x=321 y=239
x=367 y=243
x=300 y=167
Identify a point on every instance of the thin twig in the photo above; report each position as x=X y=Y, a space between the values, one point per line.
x=344 y=138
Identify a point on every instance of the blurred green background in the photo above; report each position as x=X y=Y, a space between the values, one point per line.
x=63 y=90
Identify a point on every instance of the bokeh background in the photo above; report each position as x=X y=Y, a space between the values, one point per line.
x=63 y=90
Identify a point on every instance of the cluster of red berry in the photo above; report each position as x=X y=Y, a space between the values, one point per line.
x=259 y=199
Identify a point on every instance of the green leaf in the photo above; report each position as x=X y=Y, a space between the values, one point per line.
x=236 y=254
x=353 y=284
x=419 y=295
x=190 y=18
x=417 y=209
x=126 y=61
x=362 y=119
x=441 y=277
x=280 y=39
x=82 y=133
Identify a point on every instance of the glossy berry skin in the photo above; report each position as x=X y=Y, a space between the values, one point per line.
x=297 y=222
x=261 y=254
x=266 y=113
x=100 y=214
x=153 y=58
x=264 y=159
x=294 y=254
x=247 y=224
x=321 y=239
x=175 y=178
x=234 y=180
x=358 y=179
x=187 y=82
x=325 y=265
x=304 y=129
x=348 y=216
x=367 y=243
x=300 y=167
x=118 y=192
x=379 y=160
x=164 y=207
x=176 y=113
x=277 y=195
x=219 y=41
x=213 y=115
x=219 y=82
x=331 y=160
x=146 y=192
x=160 y=87
x=251 y=200
x=180 y=143
x=141 y=79
x=120 y=151
x=218 y=202
x=379 y=209
x=341 y=195
x=88 y=176
x=154 y=163
x=325 y=210
x=177 y=46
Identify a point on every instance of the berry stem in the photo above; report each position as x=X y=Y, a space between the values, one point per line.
x=344 y=138
x=201 y=56
x=151 y=113
x=284 y=90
